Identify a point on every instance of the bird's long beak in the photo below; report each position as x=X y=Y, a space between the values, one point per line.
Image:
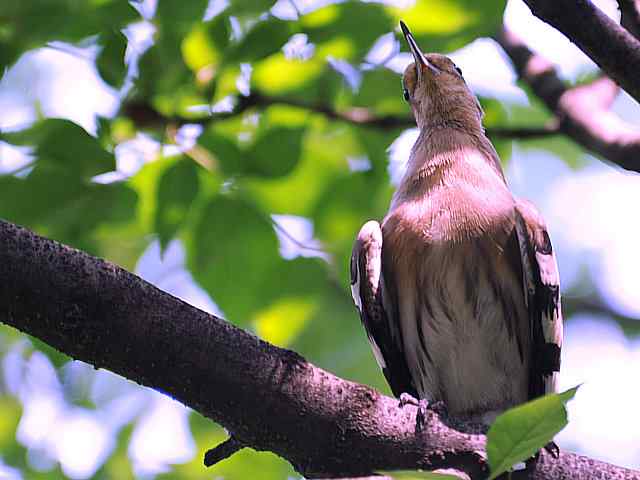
x=420 y=59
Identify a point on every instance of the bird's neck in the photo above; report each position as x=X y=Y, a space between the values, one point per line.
x=442 y=153
x=444 y=110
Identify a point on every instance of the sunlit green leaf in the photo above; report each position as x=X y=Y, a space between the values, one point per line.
x=179 y=16
x=318 y=167
x=63 y=144
x=28 y=25
x=177 y=189
x=205 y=44
x=360 y=24
x=381 y=91
x=110 y=61
x=281 y=322
x=233 y=249
x=520 y=432
x=162 y=67
x=276 y=151
x=198 y=50
x=64 y=208
x=445 y=25
x=225 y=150
x=245 y=7
x=263 y=39
x=9 y=419
x=535 y=115
x=277 y=74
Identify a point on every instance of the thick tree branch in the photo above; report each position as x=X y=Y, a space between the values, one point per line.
x=630 y=16
x=268 y=398
x=145 y=116
x=613 y=48
x=583 y=111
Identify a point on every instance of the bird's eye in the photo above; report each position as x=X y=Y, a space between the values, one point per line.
x=405 y=94
x=459 y=70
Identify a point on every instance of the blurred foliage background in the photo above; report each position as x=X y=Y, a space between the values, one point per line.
x=228 y=152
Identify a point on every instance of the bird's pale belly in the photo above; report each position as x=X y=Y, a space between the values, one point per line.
x=464 y=328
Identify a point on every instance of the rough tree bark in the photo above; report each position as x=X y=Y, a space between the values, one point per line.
x=583 y=112
x=615 y=50
x=267 y=397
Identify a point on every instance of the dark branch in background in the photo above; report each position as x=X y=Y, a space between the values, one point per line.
x=594 y=305
x=145 y=116
x=609 y=45
x=583 y=111
x=588 y=123
x=268 y=398
x=630 y=16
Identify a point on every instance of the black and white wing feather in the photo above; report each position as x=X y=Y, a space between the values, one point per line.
x=542 y=294
x=368 y=290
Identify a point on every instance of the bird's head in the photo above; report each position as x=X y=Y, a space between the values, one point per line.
x=436 y=90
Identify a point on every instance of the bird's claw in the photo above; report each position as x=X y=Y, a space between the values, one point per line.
x=408 y=399
x=553 y=449
x=422 y=404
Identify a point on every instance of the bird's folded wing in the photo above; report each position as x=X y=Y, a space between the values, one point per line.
x=368 y=290
x=542 y=292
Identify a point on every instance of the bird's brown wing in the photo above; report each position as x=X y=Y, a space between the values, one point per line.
x=376 y=311
x=542 y=293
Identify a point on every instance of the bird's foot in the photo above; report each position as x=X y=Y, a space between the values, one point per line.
x=407 y=399
x=553 y=449
x=422 y=404
x=438 y=407
x=550 y=448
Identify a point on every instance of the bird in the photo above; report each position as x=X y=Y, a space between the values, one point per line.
x=458 y=286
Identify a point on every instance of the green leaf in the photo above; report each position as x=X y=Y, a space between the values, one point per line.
x=110 y=61
x=28 y=25
x=276 y=152
x=177 y=189
x=277 y=74
x=246 y=7
x=206 y=43
x=63 y=207
x=225 y=150
x=233 y=250
x=520 y=432
x=163 y=74
x=352 y=26
x=381 y=91
x=63 y=144
x=263 y=39
x=536 y=114
x=446 y=25
x=178 y=16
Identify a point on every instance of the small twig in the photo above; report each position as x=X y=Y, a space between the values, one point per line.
x=295 y=7
x=145 y=116
x=525 y=133
x=70 y=50
x=20 y=169
x=222 y=451
x=582 y=112
x=294 y=240
x=613 y=48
